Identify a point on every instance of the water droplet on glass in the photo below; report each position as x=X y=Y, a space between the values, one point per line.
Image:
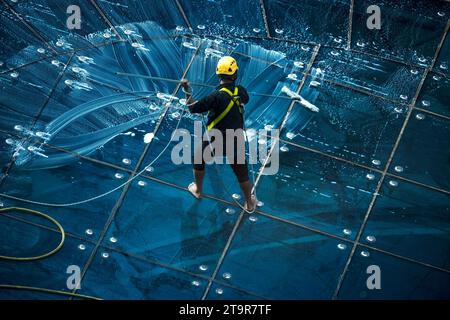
x=347 y=232
x=414 y=71
x=55 y=62
x=334 y=53
x=398 y=168
x=226 y=275
x=337 y=40
x=370 y=176
x=142 y=183
x=259 y=203
x=342 y=246
x=365 y=254
x=14 y=74
x=426 y=103
x=236 y=196
x=219 y=291
x=68 y=82
x=398 y=109
x=113 y=239
x=41 y=50
x=420 y=116
x=376 y=162
x=126 y=161
x=106 y=35
x=149 y=169
x=82 y=247
x=443 y=66
x=195 y=283
x=256 y=30
x=9 y=141
x=229 y=211
x=284 y=149
x=118 y=175
x=360 y=44
x=436 y=78
x=89 y=232
x=441 y=13
x=299 y=64
x=305 y=48
x=105 y=255
x=128 y=32
x=279 y=31
x=203 y=267
x=201 y=27
x=290 y=135
x=403 y=97
x=59 y=43
x=253 y=218
x=393 y=183
x=371 y=238
x=422 y=59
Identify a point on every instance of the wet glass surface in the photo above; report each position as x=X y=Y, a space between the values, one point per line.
x=411 y=221
x=299 y=20
x=329 y=195
x=298 y=252
x=349 y=125
x=425 y=160
x=400 y=279
x=136 y=279
x=162 y=243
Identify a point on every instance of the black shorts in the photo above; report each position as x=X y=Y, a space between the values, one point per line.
x=240 y=168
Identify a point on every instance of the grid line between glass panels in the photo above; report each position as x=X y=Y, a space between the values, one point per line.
x=391 y=156
x=241 y=215
x=119 y=201
x=264 y=15
x=37 y=116
x=350 y=24
x=30 y=27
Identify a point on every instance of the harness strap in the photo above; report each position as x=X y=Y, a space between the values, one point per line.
x=234 y=100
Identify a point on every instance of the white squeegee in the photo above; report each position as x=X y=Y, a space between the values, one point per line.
x=300 y=99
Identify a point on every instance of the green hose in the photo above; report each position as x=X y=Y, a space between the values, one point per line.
x=45 y=216
x=43 y=256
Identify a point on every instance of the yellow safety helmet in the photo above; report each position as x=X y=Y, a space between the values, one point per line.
x=227 y=65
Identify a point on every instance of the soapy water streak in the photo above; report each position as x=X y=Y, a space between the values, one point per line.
x=92 y=123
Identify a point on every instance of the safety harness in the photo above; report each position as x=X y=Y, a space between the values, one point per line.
x=234 y=100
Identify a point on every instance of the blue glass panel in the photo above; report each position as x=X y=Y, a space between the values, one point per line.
x=318 y=192
x=411 y=221
x=93 y=107
x=424 y=159
x=19 y=46
x=421 y=18
x=48 y=273
x=226 y=17
x=124 y=277
x=25 y=91
x=350 y=125
x=300 y=20
x=224 y=292
x=400 y=279
x=72 y=183
x=382 y=77
x=50 y=17
x=443 y=60
x=435 y=95
x=189 y=234
x=163 y=12
x=251 y=264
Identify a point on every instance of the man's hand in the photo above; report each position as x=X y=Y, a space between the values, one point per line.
x=185 y=85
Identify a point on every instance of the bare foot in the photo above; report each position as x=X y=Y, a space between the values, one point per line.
x=193 y=190
x=250 y=207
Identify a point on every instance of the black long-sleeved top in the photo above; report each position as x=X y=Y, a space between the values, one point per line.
x=217 y=101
